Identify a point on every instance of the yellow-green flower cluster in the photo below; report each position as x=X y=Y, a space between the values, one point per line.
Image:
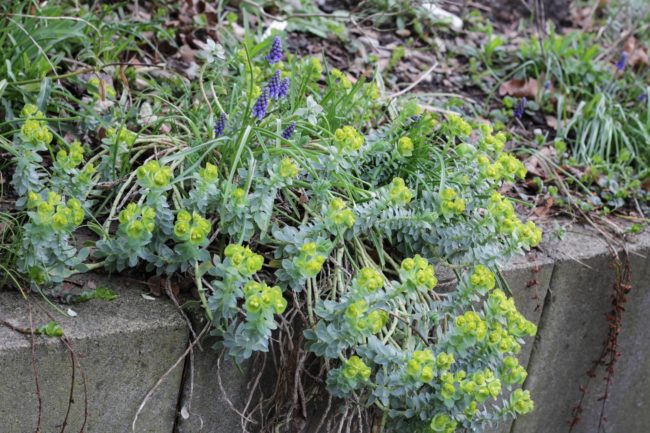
x=399 y=193
x=243 y=259
x=509 y=224
x=61 y=217
x=371 y=90
x=314 y=68
x=419 y=273
x=521 y=402
x=448 y=381
x=348 y=139
x=444 y=361
x=137 y=222
x=261 y=298
x=492 y=143
x=511 y=167
x=481 y=386
x=33 y=130
x=152 y=175
x=442 y=423
x=421 y=366
x=356 y=316
x=405 y=146
x=69 y=160
x=505 y=167
x=517 y=325
x=482 y=279
x=512 y=372
x=341 y=77
x=501 y=341
x=309 y=261
x=209 y=173
x=471 y=410
x=530 y=234
x=86 y=174
x=500 y=303
x=339 y=215
x=192 y=228
x=450 y=203
x=369 y=280
x=68 y=216
x=123 y=136
x=458 y=126
x=356 y=370
x=239 y=196
x=503 y=212
x=288 y=169
x=471 y=325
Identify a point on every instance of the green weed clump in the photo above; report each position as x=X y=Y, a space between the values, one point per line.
x=290 y=198
x=601 y=108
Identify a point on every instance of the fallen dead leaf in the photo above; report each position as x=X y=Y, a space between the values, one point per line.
x=519 y=88
x=551 y=121
x=542 y=211
x=533 y=164
x=582 y=17
x=637 y=53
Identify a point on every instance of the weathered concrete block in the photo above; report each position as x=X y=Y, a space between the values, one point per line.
x=571 y=332
x=124 y=347
x=629 y=393
x=217 y=389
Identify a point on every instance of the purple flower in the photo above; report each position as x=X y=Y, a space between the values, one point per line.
x=519 y=108
x=643 y=97
x=284 y=88
x=287 y=133
x=547 y=85
x=278 y=88
x=620 y=65
x=274 y=86
x=259 y=109
x=275 y=55
x=220 y=125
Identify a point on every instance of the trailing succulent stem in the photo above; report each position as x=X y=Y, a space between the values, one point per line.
x=290 y=202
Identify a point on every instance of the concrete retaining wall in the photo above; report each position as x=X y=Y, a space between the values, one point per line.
x=124 y=347
x=127 y=344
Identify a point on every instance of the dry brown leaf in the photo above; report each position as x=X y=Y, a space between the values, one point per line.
x=637 y=53
x=551 y=121
x=519 y=88
x=533 y=167
x=542 y=211
x=574 y=171
x=583 y=17
x=533 y=164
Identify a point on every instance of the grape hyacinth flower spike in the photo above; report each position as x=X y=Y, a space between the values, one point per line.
x=278 y=88
x=275 y=55
x=288 y=132
x=220 y=125
x=259 y=109
x=519 y=108
x=284 y=88
x=620 y=65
